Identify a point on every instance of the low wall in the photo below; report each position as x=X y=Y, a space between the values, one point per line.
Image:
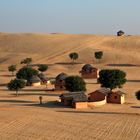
x=84 y=105
x=81 y=105
x=36 y=84
x=95 y=104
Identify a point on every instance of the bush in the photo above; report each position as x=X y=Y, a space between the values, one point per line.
x=112 y=78
x=42 y=67
x=75 y=83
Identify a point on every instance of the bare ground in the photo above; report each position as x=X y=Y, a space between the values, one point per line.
x=22 y=118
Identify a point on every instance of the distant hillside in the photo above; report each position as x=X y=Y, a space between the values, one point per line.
x=53 y=48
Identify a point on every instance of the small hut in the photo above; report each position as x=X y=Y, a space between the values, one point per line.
x=120 y=33
x=117 y=97
x=34 y=81
x=99 y=94
x=60 y=81
x=88 y=72
x=43 y=78
x=77 y=100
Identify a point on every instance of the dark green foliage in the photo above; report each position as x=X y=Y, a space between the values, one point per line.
x=26 y=61
x=98 y=55
x=26 y=73
x=73 y=56
x=112 y=78
x=12 y=68
x=138 y=95
x=16 y=85
x=42 y=67
x=75 y=83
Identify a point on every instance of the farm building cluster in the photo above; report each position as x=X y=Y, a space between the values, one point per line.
x=80 y=100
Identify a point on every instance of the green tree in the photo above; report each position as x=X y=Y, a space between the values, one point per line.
x=75 y=83
x=112 y=78
x=42 y=67
x=16 y=85
x=138 y=95
x=73 y=56
x=26 y=61
x=26 y=73
x=98 y=55
x=12 y=68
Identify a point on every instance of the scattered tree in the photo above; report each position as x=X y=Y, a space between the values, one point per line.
x=12 y=68
x=73 y=56
x=112 y=78
x=26 y=73
x=98 y=55
x=26 y=61
x=138 y=95
x=16 y=85
x=120 y=33
x=42 y=67
x=75 y=83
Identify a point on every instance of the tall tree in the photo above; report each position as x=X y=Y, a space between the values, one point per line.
x=26 y=61
x=75 y=83
x=16 y=85
x=12 y=68
x=112 y=78
x=73 y=56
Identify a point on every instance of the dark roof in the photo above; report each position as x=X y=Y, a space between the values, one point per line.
x=75 y=96
x=80 y=98
x=42 y=76
x=104 y=91
x=87 y=67
x=120 y=33
x=118 y=92
x=61 y=76
x=34 y=79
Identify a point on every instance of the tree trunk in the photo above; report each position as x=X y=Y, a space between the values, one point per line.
x=73 y=61
x=16 y=92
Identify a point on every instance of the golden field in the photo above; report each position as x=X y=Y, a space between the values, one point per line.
x=21 y=118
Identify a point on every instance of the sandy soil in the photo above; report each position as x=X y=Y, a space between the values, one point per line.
x=22 y=118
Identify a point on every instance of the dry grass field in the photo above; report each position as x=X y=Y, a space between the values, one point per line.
x=22 y=118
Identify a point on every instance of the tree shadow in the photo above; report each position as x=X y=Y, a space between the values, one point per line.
x=3 y=70
x=49 y=104
x=2 y=85
x=36 y=90
x=35 y=65
x=91 y=83
x=68 y=63
x=136 y=107
x=123 y=65
x=135 y=81
x=105 y=113
x=37 y=94
x=7 y=75
x=15 y=101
